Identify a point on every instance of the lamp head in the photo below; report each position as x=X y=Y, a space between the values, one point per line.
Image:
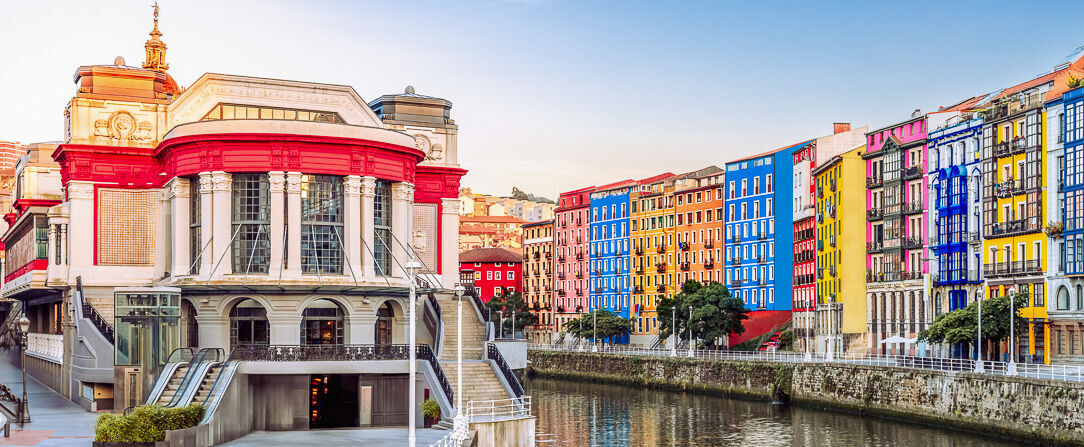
x=24 y=324
x=413 y=267
x=460 y=290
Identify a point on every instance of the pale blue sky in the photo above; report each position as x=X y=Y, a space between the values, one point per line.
x=552 y=95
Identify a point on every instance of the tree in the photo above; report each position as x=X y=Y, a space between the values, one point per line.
x=507 y=302
x=518 y=194
x=715 y=316
x=961 y=326
x=600 y=323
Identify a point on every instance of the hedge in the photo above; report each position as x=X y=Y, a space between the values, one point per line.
x=147 y=423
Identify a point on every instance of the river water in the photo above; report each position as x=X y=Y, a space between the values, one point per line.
x=593 y=414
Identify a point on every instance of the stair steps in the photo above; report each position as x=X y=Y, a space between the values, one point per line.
x=208 y=382
x=172 y=386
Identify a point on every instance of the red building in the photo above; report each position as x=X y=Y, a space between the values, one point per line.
x=494 y=270
x=572 y=238
x=804 y=254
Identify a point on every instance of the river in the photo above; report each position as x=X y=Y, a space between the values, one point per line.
x=593 y=414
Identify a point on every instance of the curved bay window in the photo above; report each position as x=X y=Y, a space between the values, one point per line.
x=321 y=224
x=322 y=324
x=248 y=324
x=251 y=219
x=382 y=224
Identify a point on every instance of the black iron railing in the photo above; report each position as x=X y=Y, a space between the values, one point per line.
x=306 y=353
x=425 y=352
x=492 y=353
x=90 y=313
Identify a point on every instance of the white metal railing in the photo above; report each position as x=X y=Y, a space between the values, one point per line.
x=46 y=346
x=1073 y=373
x=499 y=410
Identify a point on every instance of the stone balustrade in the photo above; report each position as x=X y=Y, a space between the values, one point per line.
x=46 y=346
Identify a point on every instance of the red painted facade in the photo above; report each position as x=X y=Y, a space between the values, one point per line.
x=486 y=276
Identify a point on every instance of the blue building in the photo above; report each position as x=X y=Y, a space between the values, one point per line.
x=954 y=170
x=610 y=251
x=759 y=250
x=1065 y=198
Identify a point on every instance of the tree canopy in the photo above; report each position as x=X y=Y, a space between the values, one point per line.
x=715 y=313
x=961 y=326
x=508 y=302
x=601 y=323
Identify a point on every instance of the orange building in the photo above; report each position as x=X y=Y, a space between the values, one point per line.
x=699 y=215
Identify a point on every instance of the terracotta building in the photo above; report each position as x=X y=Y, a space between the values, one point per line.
x=537 y=284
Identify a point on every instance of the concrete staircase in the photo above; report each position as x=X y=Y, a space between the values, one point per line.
x=479 y=381
x=173 y=385
x=208 y=382
x=474 y=332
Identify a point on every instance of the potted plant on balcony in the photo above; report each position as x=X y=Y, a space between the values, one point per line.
x=1054 y=229
x=431 y=411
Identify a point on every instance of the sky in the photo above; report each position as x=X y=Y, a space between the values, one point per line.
x=555 y=95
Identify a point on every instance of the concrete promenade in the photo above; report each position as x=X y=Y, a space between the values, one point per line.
x=54 y=420
x=327 y=438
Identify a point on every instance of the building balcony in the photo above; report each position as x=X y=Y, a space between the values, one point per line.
x=561 y=292
x=1014 y=227
x=640 y=270
x=684 y=266
x=874 y=247
x=561 y=258
x=735 y=283
x=911 y=275
x=913 y=207
x=735 y=239
x=735 y=261
x=579 y=293
x=639 y=251
x=661 y=267
x=832 y=185
x=911 y=242
x=762 y=237
x=912 y=172
x=683 y=246
x=579 y=256
x=820 y=245
x=762 y=282
x=820 y=192
x=661 y=248
x=762 y=258
x=874 y=182
x=661 y=288
x=709 y=264
x=638 y=289
x=709 y=243
x=579 y=275
x=832 y=270
x=832 y=240
x=537 y=256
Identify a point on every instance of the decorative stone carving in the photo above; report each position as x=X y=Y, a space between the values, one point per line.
x=368 y=186
x=419 y=240
x=422 y=143
x=205 y=183
x=402 y=191
x=221 y=181
x=180 y=187
x=80 y=190
x=293 y=182
x=122 y=126
x=277 y=181
x=352 y=185
x=436 y=153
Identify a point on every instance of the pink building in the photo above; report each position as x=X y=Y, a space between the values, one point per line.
x=572 y=223
x=896 y=235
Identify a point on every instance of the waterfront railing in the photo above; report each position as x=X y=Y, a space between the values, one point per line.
x=499 y=409
x=1073 y=373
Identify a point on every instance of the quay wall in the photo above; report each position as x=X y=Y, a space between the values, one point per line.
x=1027 y=409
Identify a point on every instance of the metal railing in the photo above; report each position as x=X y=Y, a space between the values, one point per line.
x=492 y=353
x=1070 y=373
x=499 y=409
x=90 y=313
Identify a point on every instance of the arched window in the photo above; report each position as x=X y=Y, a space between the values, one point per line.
x=385 y=317
x=1063 y=298
x=1079 y=297
x=248 y=324
x=322 y=323
x=189 y=327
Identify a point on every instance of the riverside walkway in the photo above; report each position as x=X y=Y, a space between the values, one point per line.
x=1074 y=373
x=54 y=420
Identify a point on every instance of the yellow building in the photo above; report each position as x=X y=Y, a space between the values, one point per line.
x=1014 y=246
x=652 y=256
x=840 y=321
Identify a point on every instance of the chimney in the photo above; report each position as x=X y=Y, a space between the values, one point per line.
x=840 y=127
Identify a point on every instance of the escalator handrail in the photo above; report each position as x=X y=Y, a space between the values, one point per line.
x=194 y=365
x=190 y=355
x=215 y=384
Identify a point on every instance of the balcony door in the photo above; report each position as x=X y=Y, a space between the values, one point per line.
x=322 y=323
x=248 y=324
x=385 y=319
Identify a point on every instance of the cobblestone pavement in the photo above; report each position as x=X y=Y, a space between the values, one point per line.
x=54 y=420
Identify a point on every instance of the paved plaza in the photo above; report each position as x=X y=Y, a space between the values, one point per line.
x=55 y=420
x=325 y=438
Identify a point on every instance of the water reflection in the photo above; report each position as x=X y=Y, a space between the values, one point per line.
x=581 y=414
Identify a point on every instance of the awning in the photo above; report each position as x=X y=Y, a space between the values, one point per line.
x=898 y=339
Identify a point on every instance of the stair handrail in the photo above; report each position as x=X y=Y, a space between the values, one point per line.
x=425 y=352
x=90 y=313
x=175 y=351
x=494 y=354
x=438 y=340
x=194 y=365
x=214 y=385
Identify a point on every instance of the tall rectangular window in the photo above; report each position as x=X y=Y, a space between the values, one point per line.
x=321 y=224
x=194 y=226
x=382 y=225
x=251 y=221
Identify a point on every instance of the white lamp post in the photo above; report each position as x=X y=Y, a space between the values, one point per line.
x=460 y=424
x=689 y=325
x=1012 y=335
x=594 y=330
x=513 y=324
x=412 y=268
x=24 y=328
x=978 y=346
x=500 y=325
x=673 y=330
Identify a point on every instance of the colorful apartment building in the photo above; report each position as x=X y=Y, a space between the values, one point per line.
x=490 y=231
x=1065 y=227
x=572 y=236
x=955 y=174
x=610 y=250
x=896 y=238
x=652 y=258
x=840 y=322
x=699 y=232
x=758 y=190
x=496 y=271
x=537 y=284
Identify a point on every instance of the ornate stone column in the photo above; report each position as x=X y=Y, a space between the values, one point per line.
x=221 y=222
x=277 y=232
x=208 y=245
x=402 y=218
x=368 y=233
x=180 y=205
x=293 y=226
x=352 y=225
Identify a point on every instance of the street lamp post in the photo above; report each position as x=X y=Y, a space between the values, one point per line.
x=594 y=330
x=513 y=324
x=978 y=346
x=412 y=268
x=500 y=324
x=1012 y=336
x=460 y=425
x=689 y=326
x=673 y=330
x=24 y=329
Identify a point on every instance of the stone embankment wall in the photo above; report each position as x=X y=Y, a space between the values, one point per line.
x=1028 y=409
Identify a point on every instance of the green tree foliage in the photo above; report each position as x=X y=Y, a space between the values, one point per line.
x=715 y=314
x=960 y=325
x=147 y=423
x=508 y=302
x=518 y=194
x=608 y=326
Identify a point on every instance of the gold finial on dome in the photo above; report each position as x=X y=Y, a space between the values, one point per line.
x=156 y=49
